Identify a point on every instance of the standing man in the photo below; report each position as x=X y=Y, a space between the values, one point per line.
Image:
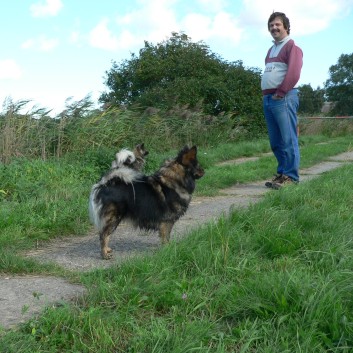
x=283 y=61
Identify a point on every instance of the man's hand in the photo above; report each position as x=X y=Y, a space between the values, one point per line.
x=276 y=97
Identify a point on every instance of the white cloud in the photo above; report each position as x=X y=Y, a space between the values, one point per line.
x=128 y=40
x=155 y=20
x=306 y=17
x=221 y=27
x=101 y=37
x=42 y=43
x=46 y=8
x=9 y=69
x=197 y=26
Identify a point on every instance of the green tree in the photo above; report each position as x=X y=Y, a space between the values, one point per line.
x=178 y=71
x=311 y=101
x=339 y=87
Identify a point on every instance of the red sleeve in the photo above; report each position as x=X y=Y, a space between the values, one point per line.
x=295 y=63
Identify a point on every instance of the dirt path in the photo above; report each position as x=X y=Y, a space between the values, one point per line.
x=23 y=296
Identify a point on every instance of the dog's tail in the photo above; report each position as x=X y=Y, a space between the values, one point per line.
x=123 y=158
x=95 y=207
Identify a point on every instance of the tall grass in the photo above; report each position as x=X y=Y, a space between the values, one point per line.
x=38 y=136
x=79 y=128
x=328 y=127
x=24 y=136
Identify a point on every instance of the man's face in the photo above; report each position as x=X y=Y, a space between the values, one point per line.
x=277 y=29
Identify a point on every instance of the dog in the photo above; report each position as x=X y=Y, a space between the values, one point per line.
x=152 y=202
x=134 y=159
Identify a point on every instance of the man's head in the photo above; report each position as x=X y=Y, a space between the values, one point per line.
x=278 y=25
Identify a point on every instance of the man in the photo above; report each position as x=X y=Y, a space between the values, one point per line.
x=283 y=62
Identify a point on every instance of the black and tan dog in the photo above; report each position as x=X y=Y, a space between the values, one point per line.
x=153 y=202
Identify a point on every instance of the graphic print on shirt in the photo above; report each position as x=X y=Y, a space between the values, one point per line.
x=273 y=75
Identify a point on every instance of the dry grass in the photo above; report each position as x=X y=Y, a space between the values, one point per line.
x=326 y=126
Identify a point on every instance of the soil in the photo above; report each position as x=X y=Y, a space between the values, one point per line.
x=22 y=297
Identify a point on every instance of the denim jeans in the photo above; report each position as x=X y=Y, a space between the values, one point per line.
x=281 y=119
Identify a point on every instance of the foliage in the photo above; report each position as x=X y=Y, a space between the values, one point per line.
x=339 y=87
x=33 y=133
x=78 y=109
x=327 y=127
x=178 y=71
x=30 y=134
x=311 y=101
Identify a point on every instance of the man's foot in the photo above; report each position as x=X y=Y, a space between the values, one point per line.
x=277 y=177
x=283 y=181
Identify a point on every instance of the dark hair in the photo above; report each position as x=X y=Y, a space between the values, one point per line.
x=284 y=19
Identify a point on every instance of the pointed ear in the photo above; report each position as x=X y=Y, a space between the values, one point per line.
x=189 y=155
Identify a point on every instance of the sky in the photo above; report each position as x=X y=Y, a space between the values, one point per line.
x=54 y=51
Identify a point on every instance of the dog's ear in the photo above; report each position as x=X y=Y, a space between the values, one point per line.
x=143 y=149
x=140 y=149
x=188 y=155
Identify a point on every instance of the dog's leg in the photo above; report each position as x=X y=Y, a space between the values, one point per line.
x=110 y=224
x=164 y=231
x=104 y=236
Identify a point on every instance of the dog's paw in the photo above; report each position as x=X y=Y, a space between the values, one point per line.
x=107 y=254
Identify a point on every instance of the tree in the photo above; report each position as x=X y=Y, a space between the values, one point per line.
x=311 y=101
x=339 y=87
x=178 y=71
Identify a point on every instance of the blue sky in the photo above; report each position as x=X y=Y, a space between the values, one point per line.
x=55 y=49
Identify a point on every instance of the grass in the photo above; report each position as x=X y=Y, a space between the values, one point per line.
x=276 y=277
x=314 y=149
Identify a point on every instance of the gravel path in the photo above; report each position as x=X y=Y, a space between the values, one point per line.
x=23 y=296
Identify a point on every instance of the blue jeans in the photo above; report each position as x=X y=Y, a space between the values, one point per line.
x=281 y=119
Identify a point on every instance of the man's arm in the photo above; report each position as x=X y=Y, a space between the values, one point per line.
x=295 y=63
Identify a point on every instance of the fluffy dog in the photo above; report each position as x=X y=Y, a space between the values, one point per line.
x=153 y=202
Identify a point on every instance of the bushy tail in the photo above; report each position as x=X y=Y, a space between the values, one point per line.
x=95 y=207
x=123 y=158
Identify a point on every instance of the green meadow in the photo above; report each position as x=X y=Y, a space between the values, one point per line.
x=276 y=277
